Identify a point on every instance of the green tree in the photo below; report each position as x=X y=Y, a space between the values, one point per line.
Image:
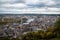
x=57 y=27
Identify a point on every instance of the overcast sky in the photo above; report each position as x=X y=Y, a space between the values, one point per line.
x=29 y=6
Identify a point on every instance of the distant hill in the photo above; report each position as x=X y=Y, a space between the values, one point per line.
x=1 y=15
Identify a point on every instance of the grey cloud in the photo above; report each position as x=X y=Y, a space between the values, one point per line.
x=11 y=1
x=57 y=1
x=44 y=5
x=37 y=5
x=14 y=9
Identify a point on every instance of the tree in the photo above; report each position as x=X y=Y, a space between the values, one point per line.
x=57 y=27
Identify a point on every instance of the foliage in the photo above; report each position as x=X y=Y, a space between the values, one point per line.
x=3 y=23
x=7 y=38
x=50 y=34
x=57 y=27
